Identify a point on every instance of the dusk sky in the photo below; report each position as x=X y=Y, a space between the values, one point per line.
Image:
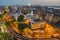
x=33 y=2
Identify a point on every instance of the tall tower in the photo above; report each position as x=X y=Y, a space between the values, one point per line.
x=32 y=12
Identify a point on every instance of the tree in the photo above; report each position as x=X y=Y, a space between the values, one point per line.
x=22 y=26
x=5 y=12
x=7 y=24
x=20 y=18
x=25 y=13
x=1 y=15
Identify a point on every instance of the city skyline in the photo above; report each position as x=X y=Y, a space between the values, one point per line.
x=33 y=2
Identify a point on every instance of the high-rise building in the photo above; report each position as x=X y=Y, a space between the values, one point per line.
x=31 y=12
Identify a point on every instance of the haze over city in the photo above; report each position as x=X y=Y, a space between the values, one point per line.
x=33 y=2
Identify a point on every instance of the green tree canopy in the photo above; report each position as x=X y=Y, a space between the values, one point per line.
x=25 y=13
x=20 y=18
x=22 y=26
x=7 y=24
x=1 y=15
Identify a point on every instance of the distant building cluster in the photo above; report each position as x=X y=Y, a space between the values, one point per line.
x=36 y=13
